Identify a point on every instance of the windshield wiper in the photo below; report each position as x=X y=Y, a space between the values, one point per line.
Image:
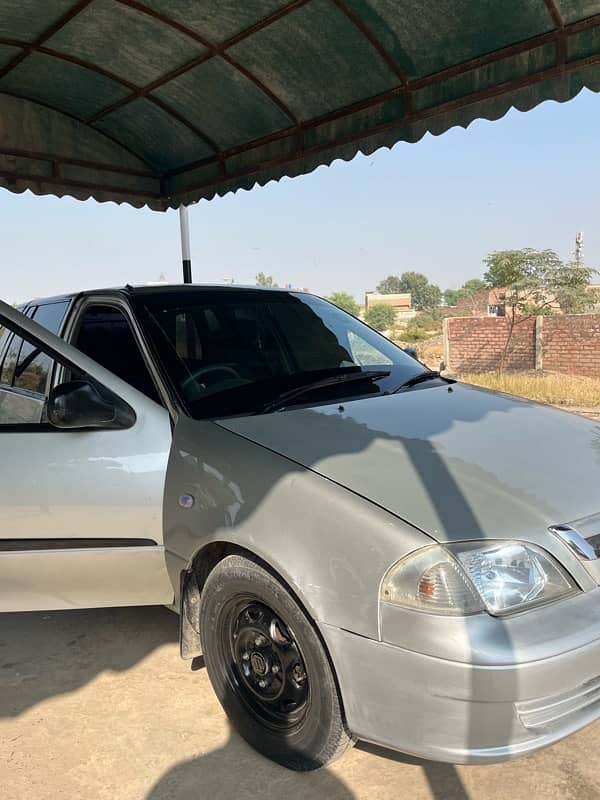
x=286 y=397
x=430 y=375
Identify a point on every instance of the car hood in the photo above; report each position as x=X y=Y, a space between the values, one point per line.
x=456 y=462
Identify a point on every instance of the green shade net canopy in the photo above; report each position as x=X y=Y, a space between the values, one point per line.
x=163 y=102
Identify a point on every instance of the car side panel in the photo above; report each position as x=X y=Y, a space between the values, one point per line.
x=85 y=484
x=331 y=546
x=63 y=579
x=81 y=522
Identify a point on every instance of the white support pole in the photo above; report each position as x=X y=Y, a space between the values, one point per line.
x=186 y=257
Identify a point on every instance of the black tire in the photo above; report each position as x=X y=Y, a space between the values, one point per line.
x=297 y=719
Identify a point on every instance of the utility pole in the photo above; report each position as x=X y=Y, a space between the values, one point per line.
x=186 y=258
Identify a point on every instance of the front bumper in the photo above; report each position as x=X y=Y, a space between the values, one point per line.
x=471 y=713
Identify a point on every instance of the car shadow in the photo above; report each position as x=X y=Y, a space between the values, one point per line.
x=443 y=779
x=44 y=654
x=47 y=654
x=235 y=770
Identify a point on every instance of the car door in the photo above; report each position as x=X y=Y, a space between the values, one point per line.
x=80 y=509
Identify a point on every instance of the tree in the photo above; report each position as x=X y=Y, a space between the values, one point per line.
x=575 y=298
x=380 y=317
x=451 y=296
x=390 y=285
x=469 y=289
x=519 y=269
x=424 y=295
x=535 y=282
x=265 y=280
x=345 y=301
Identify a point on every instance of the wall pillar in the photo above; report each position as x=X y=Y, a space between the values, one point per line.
x=446 y=340
x=539 y=342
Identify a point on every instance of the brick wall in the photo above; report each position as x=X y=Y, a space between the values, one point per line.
x=567 y=344
x=476 y=344
x=572 y=344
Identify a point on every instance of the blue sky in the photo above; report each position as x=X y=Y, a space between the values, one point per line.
x=437 y=207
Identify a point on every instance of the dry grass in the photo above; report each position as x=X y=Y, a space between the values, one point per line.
x=567 y=390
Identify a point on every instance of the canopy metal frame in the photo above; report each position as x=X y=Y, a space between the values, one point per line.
x=297 y=132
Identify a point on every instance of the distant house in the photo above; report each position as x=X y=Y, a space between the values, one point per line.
x=486 y=303
x=491 y=303
x=400 y=302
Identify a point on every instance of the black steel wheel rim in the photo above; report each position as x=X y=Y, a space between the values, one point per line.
x=265 y=664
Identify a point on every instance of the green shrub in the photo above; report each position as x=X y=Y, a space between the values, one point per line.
x=424 y=321
x=380 y=317
x=413 y=333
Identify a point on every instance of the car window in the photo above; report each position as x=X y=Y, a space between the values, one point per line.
x=25 y=402
x=32 y=369
x=105 y=335
x=25 y=366
x=233 y=352
x=51 y=316
x=25 y=370
x=4 y=334
x=9 y=362
x=364 y=353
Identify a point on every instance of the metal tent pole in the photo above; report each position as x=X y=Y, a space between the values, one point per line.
x=186 y=258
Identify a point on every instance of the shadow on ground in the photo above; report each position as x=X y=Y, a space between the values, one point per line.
x=43 y=654
x=49 y=654
x=236 y=771
x=443 y=779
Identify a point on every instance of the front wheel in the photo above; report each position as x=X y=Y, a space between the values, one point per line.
x=268 y=667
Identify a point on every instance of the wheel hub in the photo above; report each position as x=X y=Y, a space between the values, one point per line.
x=259 y=664
x=269 y=666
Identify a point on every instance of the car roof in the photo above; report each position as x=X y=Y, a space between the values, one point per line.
x=155 y=289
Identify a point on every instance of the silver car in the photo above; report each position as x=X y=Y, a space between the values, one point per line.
x=360 y=548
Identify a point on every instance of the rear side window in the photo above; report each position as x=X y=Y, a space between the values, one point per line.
x=3 y=340
x=5 y=335
x=33 y=366
x=31 y=371
x=25 y=366
x=10 y=361
x=51 y=316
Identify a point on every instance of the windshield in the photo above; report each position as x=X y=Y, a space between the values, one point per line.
x=235 y=351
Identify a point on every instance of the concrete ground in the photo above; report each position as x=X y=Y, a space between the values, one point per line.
x=98 y=705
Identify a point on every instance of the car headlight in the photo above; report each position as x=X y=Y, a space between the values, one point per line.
x=469 y=577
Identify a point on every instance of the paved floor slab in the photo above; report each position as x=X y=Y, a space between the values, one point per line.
x=98 y=705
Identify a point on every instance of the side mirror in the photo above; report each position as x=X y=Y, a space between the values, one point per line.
x=82 y=404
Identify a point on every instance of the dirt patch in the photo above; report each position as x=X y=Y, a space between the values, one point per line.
x=98 y=705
